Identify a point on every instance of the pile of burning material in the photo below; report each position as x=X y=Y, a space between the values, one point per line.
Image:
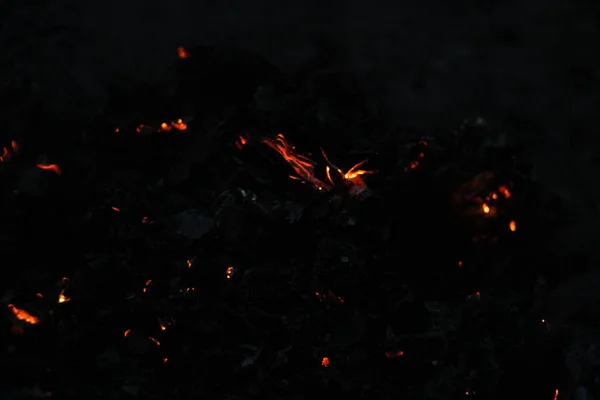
x=206 y=260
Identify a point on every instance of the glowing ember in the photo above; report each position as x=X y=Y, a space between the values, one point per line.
x=163 y=325
x=23 y=315
x=485 y=208
x=394 y=354
x=62 y=298
x=512 y=225
x=241 y=142
x=229 y=272
x=505 y=192
x=50 y=167
x=182 y=53
x=156 y=342
x=325 y=362
x=179 y=125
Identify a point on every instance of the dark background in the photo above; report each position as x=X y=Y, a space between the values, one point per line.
x=531 y=67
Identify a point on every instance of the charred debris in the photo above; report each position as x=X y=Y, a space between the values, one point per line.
x=234 y=233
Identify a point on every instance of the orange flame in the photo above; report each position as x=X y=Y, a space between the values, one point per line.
x=304 y=167
x=23 y=315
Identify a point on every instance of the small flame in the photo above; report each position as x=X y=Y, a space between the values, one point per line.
x=325 y=362
x=126 y=333
x=512 y=225
x=229 y=272
x=304 y=167
x=485 y=208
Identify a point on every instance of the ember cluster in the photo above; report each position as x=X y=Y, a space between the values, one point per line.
x=216 y=256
